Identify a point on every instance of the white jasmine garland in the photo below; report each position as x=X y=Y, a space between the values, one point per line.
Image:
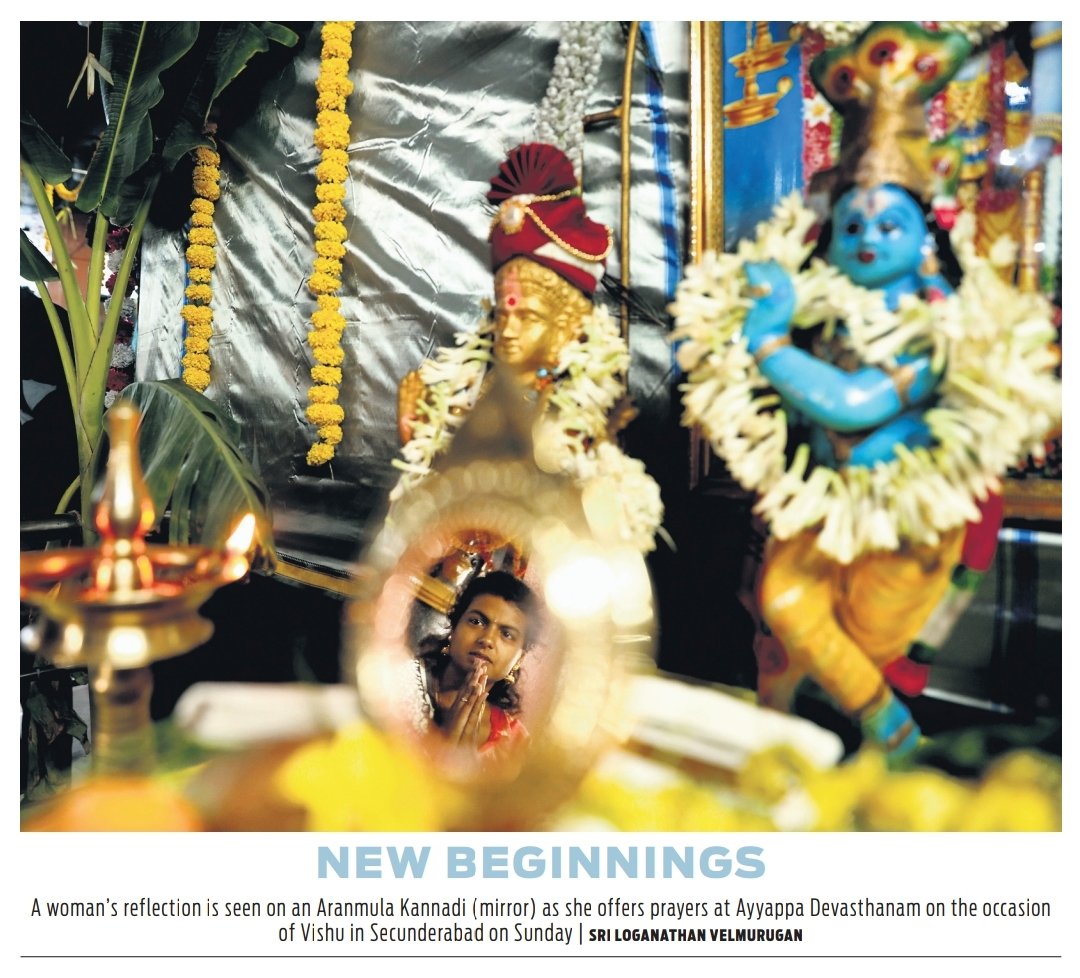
x=573 y=439
x=997 y=399
x=452 y=383
x=976 y=31
x=577 y=66
x=620 y=484
x=123 y=356
x=836 y=33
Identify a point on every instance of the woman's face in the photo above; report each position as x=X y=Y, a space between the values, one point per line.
x=492 y=630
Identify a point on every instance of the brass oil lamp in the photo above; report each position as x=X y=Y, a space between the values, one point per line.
x=121 y=606
x=762 y=54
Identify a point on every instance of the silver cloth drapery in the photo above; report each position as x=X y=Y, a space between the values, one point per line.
x=436 y=107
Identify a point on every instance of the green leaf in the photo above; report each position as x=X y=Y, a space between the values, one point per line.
x=76 y=728
x=191 y=462
x=143 y=182
x=37 y=146
x=41 y=706
x=33 y=265
x=232 y=46
x=135 y=54
x=279 y=33
x=148 y=144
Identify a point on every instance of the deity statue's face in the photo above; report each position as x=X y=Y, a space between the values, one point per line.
x=523 y=322
x=879 y=237
x=536 y=314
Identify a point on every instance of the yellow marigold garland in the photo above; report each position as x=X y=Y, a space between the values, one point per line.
x=332 y=139
x=205 y=182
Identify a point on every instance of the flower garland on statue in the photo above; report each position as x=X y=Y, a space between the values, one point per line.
x=997 y=398
x=332 y=139
x=586 y=386
x=201 y=258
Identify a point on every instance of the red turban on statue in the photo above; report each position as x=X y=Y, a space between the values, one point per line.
x=542 y=217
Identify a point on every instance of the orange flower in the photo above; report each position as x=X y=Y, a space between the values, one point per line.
x=332 y=137
x=322 y=394
x=328 y=266
x=207 y=188
x=201 y=257
x=331 y=434
x=331 y=231
x=202 y=236
x=325 y=319
x=198 y=314
x=320 y=282
x=329 y=172
x=330 y=192
x=329 y=211
x=196 y=379
x=330 y=356
x=324 y=337
x=323 y=414
x=320 y=453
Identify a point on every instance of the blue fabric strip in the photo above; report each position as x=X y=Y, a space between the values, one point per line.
x=669 y=220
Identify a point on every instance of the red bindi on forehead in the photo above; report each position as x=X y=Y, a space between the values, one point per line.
x=508 y=289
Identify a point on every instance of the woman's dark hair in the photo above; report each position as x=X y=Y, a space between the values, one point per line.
x=503 y=585
x=949 y=265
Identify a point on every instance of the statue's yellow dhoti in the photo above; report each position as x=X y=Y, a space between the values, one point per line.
x=842 y=624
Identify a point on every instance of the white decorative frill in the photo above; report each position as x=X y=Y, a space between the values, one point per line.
x=998 y=399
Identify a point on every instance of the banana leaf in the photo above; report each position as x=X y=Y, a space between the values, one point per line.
x=33 y=265
x=229 y=46
x=135 y=53
x=139 y=145
x=37 y=146
x=192 y=465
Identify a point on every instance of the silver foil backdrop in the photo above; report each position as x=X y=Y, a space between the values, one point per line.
x=436 y=107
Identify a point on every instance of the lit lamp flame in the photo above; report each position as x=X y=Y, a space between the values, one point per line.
x=125 y=604
x=236 y=561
